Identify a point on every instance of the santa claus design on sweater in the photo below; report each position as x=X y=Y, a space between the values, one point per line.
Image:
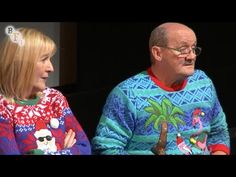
x=45 y=141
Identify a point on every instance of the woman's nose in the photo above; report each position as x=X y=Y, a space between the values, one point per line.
x=50 y=67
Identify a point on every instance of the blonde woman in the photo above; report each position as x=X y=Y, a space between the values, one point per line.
x=34 y=119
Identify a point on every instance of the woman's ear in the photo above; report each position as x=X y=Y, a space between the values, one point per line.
x=156 y=53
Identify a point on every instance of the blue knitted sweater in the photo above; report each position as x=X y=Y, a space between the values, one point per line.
x=137 y=108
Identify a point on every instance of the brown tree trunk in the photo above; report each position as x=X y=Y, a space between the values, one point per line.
x=159 y=148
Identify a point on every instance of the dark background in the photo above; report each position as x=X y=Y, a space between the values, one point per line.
x=97 y=70
x=109 y=52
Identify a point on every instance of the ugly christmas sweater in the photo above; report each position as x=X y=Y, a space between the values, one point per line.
x=137 y=109
x=40 y=124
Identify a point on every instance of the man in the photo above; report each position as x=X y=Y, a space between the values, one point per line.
x=170 y=108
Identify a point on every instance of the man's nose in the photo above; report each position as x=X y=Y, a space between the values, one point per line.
x=192 y=54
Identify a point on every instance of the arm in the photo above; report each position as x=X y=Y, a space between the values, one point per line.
x=76 y=141
x=219 y=140
x=116 y=125
x=69 y=141
x=81 y=144
x=8 y=145
x=218 y=153
x=70 y=138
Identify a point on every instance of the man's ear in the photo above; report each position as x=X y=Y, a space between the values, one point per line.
x=156 y=53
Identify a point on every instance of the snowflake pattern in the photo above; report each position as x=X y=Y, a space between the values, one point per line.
x=21 y=119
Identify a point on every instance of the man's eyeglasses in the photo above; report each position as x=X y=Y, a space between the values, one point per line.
x=185 y=51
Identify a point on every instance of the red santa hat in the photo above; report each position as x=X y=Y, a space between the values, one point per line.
x=179 y=139
x=41 y=129
x=198 y=112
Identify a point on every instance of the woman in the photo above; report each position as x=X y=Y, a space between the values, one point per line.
x=34 y=119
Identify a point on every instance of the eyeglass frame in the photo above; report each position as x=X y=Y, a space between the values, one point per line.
x=193 y=49
x=48 y=138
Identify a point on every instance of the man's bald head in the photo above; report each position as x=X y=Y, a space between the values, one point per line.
x=161 y=34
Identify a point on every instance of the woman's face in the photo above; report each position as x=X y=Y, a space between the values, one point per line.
x=42 y=69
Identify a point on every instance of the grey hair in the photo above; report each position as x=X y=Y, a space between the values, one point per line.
x=158 y=37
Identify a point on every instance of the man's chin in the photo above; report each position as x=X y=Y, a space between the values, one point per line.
x=189 y=71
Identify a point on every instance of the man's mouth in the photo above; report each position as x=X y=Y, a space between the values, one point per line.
x=188 y=62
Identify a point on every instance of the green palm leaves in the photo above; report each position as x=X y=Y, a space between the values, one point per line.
x=164 y=112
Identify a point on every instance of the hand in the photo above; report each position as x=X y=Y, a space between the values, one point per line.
x=69 y=139
x=218 y=153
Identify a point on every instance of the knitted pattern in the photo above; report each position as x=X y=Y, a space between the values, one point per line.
x=136 y=109
x=18 y=126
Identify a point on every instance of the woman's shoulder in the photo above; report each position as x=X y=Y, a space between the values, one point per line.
x=5 y=107
x=3 y=101
x=52 y=92
x=52 y=95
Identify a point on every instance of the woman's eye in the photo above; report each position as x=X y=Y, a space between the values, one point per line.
x=44 y=59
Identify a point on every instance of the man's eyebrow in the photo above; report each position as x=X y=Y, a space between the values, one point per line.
x=183 y=44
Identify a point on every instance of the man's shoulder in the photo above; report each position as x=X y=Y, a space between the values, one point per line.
x=134 y=81
x=199 y=76
x=199 y=71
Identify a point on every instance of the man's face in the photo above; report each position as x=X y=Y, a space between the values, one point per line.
x=182 y=60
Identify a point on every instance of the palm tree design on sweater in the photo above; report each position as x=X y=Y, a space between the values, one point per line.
x=161 y=115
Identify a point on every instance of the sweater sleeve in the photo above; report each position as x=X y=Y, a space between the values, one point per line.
x=218 y=139
x=8 y=145
x=82 y=145
x=116 y=125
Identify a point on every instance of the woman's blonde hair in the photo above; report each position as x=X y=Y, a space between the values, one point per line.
x=17 y=62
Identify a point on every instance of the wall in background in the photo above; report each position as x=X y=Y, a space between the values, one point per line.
x=52 y=29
